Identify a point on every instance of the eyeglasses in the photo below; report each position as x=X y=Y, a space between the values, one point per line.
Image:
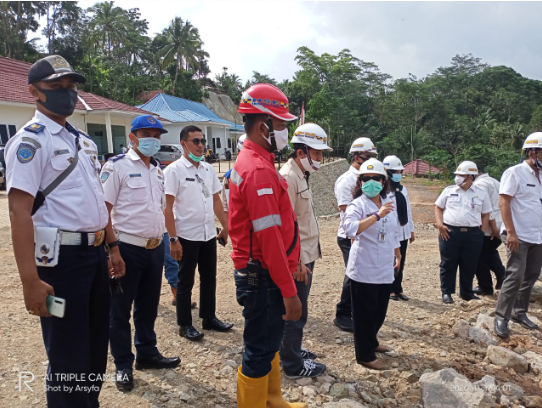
x=197 y=141
x=365 y=179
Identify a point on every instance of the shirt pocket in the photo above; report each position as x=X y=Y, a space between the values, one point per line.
x=138 y=189
x=60 y=163
x=453 y=201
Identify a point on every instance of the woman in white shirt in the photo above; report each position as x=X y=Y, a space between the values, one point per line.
x=401 y=201
x=371 y=221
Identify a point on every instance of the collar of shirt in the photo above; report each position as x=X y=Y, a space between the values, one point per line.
x=533 y=172
x=353 y=170
x=471 y=188
x=297 y=170
x=53 y=127
x=260 y=150
x=132 y=154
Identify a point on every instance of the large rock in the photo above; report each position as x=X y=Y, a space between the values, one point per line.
x=512 y=390
x=449 y=389
x=535 y=360
x=344 y=403
x=489 y=385
x=461 y=329
x=481 y=336
x=338 y=390
x=484 y=322
x=532 y=402
x=507 y=358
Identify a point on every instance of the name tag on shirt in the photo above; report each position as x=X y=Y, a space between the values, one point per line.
x=531 y=185
x=190 y=179
x=59 y=152
x=135 y=175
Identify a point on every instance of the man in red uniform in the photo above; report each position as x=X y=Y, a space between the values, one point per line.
x=265 y=239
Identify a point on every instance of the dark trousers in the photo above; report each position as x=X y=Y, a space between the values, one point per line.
x=203 y=255
x=397 y=286
x=344 y=307
x=141 y=288
x=77 y=343
x=489 y=260
x=462 y=249
x=263 y=308
x=369 y=308
x=290 y=349
x=522 y=271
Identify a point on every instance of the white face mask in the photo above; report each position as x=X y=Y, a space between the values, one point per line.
x=459 y=180
x=281 y=138
x=308 y=167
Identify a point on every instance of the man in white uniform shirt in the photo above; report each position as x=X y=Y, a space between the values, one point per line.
x=462 y=214
x=489 y=259
x=134 y=193
x=521 y=209
x=192 y=200
x=361 y=150
x=58 y=246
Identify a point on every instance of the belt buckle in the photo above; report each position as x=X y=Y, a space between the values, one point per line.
x=100 y=237
x=152 y=243
x=463 y=229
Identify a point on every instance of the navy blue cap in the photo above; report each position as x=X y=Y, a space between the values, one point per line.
x=147 y=122
x=51 y=68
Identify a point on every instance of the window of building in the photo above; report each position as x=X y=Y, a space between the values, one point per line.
x=6 y=132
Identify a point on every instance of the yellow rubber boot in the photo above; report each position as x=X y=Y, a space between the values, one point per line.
x=274 y=392
x=251 y=392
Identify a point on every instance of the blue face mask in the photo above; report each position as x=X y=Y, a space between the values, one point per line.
x=148 y=146
x=371 y=188
x=396 y=177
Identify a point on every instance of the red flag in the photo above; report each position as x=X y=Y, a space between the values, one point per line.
x=302 y=116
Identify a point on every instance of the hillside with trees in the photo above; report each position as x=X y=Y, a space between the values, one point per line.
x=466 y=110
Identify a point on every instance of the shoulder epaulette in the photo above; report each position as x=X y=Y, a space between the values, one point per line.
x=83 y=133
x=117 y=157
x=35 y=127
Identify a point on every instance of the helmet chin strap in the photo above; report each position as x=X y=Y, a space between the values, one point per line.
x=309 y=158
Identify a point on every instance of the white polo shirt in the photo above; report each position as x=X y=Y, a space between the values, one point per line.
x=193 y=188
x=491 y=188
x=36 y=157
x=371 y=259
x=521 y=184
x=463 y=208
x=136 y=193
x=404 y=231
x=344 y=193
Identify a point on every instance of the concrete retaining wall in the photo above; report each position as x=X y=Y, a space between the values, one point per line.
x=322 y=183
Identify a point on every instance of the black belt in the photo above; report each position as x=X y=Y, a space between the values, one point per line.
x=463 y=229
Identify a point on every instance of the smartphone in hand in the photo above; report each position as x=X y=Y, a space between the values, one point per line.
x=56 y=306
x=220 y=240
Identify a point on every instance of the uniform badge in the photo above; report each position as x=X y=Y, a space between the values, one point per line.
x=36 y=144
x=86 y=143
x=151 y=120
x=135 y=175
x=105 y=176
x=25 y=152
x=35 y=127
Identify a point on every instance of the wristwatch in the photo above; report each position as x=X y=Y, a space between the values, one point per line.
x=112 y=245
x=172 y=240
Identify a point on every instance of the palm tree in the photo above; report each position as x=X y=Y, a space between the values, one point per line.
x=183 y=46
x=109 y=24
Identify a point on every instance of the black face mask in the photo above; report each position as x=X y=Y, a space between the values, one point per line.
x=60 y=101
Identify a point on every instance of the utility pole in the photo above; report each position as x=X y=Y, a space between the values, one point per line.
x=411 y=145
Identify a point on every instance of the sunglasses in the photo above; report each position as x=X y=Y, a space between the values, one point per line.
x=197 y=141
x=365 y=179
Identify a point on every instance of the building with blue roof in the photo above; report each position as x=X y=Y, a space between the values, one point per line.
x=221 y=134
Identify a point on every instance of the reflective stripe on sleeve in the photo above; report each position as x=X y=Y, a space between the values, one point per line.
x=268 y=221
x=236 y=178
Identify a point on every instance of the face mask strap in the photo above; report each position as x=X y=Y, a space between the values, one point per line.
x=271 y=138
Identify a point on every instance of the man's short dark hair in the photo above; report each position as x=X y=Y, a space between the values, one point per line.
x=251 y=119
x=121 y=145
x=187 y=130
x=296 y=147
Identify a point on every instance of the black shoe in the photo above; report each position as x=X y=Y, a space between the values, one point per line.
x=525 y=322
x=157 y=362
x=402 y=296
x=193 y=305
x=310 y=369
x=174 y=302
x=394 y=297
x=215 y=324
x=125 y=380
x=190 y=333
x=479 y=291
x=447 y=298
x=308 y=355
x=469 y=298
x=499 y=284
x=500 y=327
x=344 y=324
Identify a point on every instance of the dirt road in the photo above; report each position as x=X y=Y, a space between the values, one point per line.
x=420 y=332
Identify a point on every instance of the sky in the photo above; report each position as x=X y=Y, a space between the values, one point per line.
x=399 y=37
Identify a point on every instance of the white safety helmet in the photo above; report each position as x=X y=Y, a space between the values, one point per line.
x=363 y=144
x=467 y=168
x=311 y=135
x=533 y=141
x=241 y=142
x=393 y=163
x=373 y=166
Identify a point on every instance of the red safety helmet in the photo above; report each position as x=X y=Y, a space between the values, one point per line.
x=265 y=99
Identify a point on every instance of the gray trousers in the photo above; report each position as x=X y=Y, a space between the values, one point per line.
x=290 y=349
x=522 y=271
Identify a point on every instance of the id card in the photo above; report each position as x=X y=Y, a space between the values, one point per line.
x=47 y=246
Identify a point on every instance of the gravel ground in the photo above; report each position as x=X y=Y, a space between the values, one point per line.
x=419 y=331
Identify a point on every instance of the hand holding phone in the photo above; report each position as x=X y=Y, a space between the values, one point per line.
x=56 y=306
x=220 y=240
